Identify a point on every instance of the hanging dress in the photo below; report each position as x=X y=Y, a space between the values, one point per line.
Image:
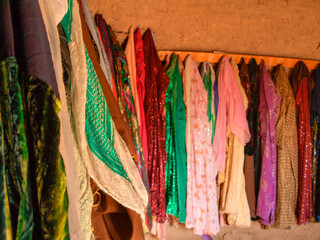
x=140 y=80
x=233 y=200
x=156 y=83
x=315 y=118
x=202 y=209
x=175 y=123
x=249 y=160
x=302 y=85
x=268 y=107
x=253 y=147
x=287 y=152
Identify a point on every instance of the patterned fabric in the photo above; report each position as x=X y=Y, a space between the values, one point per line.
x=156 y=83
x=102 y=28
x=253 y=147
x=208 y=78
x=99 y=126
x=125 y=100
x=16 y=220
x=287 y=152
x=268 y=107
x=245 y=79
x=233 y=199
x=202 y=209
x=131 y=194
x=176 y=168
x=252 y=115
x=304 y=82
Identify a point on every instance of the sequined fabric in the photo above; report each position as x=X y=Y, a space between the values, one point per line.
x=268 y=107
x=287 y=152
x=16 y=221
x=202 y=208
x=245 y=79
x=102 y=27
x=156 y=83
x=304 y=142
x=175 y=123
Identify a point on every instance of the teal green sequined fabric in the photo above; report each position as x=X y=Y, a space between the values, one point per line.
x=175 y=125
x=48 y=179
x=16 y=220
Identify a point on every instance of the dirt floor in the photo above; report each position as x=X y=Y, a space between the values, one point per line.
x=309 y=231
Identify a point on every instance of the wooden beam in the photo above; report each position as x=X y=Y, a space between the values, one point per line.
x=214 y=57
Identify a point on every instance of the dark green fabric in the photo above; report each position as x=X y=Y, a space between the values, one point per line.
x=16 y=220
x=48 y=182
x=175 y=124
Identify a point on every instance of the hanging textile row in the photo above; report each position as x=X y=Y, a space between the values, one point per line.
x=98 y=142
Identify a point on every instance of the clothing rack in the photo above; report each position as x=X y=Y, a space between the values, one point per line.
x=214 y=57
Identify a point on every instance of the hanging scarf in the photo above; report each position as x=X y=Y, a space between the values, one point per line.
x=208 y=78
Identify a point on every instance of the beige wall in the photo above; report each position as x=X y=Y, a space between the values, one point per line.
x=287 y=28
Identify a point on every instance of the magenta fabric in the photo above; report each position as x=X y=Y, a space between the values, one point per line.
x=268 y=107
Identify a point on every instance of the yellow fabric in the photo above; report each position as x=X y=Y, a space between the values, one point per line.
x=233 y=198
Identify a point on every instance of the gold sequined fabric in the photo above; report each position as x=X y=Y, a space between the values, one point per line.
x=287 y=152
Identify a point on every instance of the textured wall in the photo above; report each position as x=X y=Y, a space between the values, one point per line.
x=288 y=28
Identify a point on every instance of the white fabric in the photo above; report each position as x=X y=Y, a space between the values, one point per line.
x=66 y=151
x=60 y=8
x=78 y=99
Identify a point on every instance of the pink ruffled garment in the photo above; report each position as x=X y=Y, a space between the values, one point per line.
x=202 y=206
x=140 y=90
x=231 y=112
